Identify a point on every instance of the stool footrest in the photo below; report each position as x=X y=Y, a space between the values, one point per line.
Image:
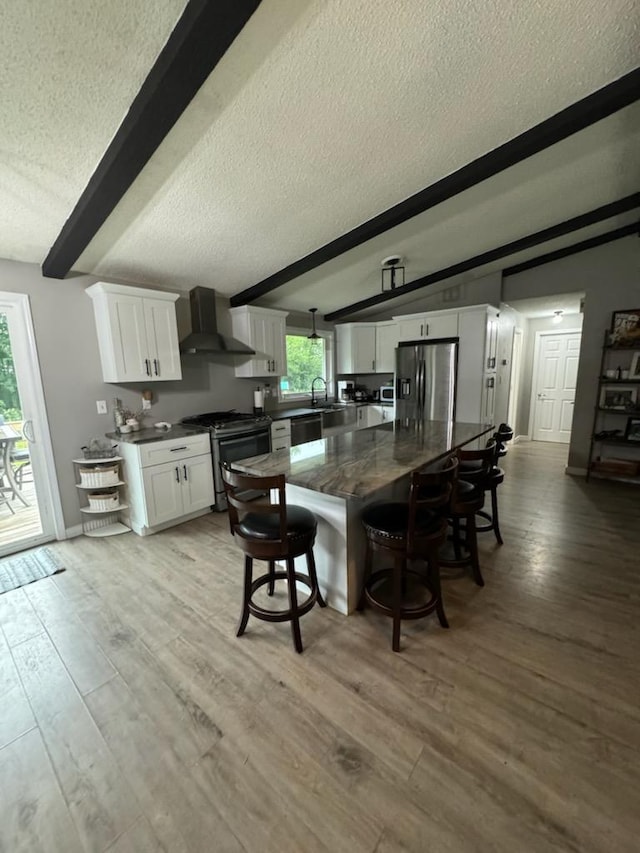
x=280 y=615
x=406 y=612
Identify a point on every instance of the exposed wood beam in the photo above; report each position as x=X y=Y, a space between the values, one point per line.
x=582 y=246
x=593 y=108
x=201 y=37
x=615 y=208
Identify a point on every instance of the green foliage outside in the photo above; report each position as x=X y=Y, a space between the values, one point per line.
x=305 y=361
x=9 y=398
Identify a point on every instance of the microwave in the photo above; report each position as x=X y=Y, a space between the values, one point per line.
x=387 y=394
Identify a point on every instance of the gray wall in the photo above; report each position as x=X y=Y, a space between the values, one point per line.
x=72 y=378
x=610 y=278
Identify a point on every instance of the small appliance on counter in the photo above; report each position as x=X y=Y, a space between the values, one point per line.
x=346 y=390
x=387 y=394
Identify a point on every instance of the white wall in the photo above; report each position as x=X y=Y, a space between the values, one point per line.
x=610 y=278
x=72 y=378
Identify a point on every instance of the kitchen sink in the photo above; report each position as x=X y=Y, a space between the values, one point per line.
x=337 y=415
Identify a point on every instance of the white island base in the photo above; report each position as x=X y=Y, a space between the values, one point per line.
x=339 y=549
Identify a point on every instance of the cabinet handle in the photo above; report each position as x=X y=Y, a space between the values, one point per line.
x=421 y=335
x=373 y=365
x=426 y=334
x=155 y=366
x=184 y=468
x=174 y=449
x=177 y=474
x=147 y=366
x=274 y=365
x=279 y=429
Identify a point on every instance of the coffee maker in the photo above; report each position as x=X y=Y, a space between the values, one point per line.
x=346 y=390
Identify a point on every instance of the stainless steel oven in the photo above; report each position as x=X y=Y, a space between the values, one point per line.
x=230 y=448
x=234 y=435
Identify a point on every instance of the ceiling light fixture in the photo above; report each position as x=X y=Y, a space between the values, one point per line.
x=314 y=336
x=392 y=272
x=557 y=316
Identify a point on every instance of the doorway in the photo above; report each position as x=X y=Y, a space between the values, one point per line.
x=30 y=509
x=514 y=381
x=555 y=371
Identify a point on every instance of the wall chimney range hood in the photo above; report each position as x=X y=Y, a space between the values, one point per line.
x=205 y=337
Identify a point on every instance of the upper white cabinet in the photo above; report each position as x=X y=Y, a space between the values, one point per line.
x=435 y=324
x=137 y=333
x=265 y=331
x=356 y=348
x=386 y=343
x=477 y=361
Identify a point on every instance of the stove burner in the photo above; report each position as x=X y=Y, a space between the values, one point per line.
x=217 y=419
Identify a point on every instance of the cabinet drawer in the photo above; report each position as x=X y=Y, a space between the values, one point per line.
x=281 y=442
x=157 y=452
x=280 y=428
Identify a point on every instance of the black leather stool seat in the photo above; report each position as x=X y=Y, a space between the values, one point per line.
x=392 y=519
x=300 y=522
x=467 y=492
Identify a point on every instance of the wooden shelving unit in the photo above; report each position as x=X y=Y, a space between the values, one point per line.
x=601 y=413
x=100 y=522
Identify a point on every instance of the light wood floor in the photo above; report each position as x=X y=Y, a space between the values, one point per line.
x=132 y=719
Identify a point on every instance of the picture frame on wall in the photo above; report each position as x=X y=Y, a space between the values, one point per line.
x=634 y=370
x=625 y=328
x=632 y=432
x=619 y=397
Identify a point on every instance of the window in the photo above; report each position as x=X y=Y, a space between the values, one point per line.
x=306 y=359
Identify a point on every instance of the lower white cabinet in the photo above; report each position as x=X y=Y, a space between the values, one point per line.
x=281 y=434
x=377 y=415
x=169 y=481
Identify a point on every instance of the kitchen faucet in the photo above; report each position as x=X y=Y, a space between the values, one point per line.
x=313 y=390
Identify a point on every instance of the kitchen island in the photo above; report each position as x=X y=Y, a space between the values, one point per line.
x=337 y=477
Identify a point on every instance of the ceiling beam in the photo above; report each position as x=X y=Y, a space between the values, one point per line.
x=574 y=249
x=582 y=114
x=599 y=214
x=197 y=43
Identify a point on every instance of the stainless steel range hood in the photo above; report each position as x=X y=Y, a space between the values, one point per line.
x=205 y=337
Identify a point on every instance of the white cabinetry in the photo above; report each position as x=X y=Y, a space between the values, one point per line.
x=377 y=415
x=477 y=363
x=168 y=481
x=264 y=330
x=356 y=348
x=386 y=343
x=281 y=434
x=435 y=324
x=137 y=333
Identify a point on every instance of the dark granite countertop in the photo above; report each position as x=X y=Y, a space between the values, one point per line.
x=143 y=436
x=358 y=463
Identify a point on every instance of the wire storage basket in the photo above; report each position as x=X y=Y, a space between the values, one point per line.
x=103 y=501
x=106 y=475
x=102 y=453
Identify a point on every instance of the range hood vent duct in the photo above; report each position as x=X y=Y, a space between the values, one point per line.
x=205 y=337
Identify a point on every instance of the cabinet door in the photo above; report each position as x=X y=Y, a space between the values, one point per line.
x=386 y=343
x=162 y=339
x=491 y=349
x=361 y=417
x=441 y=325
x=489 y=399
x=196 y=475
x=128 y=339
x=162 y=493
x=364 y=349
x=411 y=329
x=375 y=415
x=278 y=345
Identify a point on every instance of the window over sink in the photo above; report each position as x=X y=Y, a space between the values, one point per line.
x=307 y=359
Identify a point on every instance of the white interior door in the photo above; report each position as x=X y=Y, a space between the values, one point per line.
x=554 y=385
x=30 y=508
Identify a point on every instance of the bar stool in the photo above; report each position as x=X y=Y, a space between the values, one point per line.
x=409 y=531
x=493 y=479
x=467 y=499
x=272 y=531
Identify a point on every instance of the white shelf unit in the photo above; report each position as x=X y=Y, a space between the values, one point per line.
x=100 y=522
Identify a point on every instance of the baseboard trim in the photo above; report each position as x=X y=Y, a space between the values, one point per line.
x=575 y=472
x=520 y=438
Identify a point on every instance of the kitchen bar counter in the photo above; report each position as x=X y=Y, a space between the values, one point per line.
x=338 y=477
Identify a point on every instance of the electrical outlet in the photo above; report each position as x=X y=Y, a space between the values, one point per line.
x=101 y=406
x=146 y=404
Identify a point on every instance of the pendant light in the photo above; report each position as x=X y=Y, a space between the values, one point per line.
x=314 y=336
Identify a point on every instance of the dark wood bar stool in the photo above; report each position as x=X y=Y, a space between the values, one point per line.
x=272 y=531
x=409 y=531
x=467 y=499
x=491 y=482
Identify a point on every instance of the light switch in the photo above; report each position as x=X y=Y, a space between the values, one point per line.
x=101 y=406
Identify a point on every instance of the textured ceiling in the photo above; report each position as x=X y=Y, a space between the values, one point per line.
x=321 y=115
x=68 y=74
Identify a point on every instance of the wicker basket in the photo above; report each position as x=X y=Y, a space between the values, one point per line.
x=107 y=475
x=103 y=501
x=104 y=453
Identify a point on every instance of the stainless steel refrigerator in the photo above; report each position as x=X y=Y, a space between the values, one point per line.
x=426 y=380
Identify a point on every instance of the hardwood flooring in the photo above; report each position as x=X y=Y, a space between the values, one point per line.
x=132 y=720
x=24 y=521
